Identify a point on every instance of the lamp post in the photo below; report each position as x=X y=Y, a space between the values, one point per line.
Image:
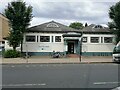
x=80 y=45
x=26 y=54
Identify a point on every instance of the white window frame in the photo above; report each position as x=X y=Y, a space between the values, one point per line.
x=58 y=36
x=29 y=36
x=44 y=41
x=108 y=37
x=86 y=39
x=95 y=42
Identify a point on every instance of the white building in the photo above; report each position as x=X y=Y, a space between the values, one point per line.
x=52 y=36
x=97 y=41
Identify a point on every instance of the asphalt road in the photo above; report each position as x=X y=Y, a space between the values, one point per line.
x=60 y=76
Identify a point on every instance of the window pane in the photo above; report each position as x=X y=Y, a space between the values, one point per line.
x=57 y=38
x=84 y=39
x=108 y=39
x=30 y=38
x=44 y=38
x=94 y=39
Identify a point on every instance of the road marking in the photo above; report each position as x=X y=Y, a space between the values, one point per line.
x=12 y=66
x=41 y=65
x=17 y=85
x=27 y=65
x=99 y=83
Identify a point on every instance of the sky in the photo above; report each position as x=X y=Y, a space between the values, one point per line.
x=67 y=11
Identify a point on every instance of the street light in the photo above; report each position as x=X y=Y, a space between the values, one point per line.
x=80 y=43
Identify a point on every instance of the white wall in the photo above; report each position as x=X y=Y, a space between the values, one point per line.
x=43 y=46
x=97 y=47
x=59 y=46
x=7 y=47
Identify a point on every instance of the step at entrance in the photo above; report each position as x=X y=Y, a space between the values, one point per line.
x=73 y=55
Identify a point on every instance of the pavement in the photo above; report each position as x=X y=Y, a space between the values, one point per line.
x=50 y=60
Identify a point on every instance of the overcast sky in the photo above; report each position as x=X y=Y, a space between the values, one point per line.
x=66 y=12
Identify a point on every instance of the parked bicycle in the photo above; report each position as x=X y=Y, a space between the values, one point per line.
x=56 y=54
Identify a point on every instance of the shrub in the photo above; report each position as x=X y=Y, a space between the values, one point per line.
x=11 y=54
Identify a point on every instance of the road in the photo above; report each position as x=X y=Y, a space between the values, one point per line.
x=60 y=76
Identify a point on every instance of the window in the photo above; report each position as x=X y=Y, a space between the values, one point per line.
x=84 y=39
x=94 y=39
x=52 y=25
x=30 y=38
x=57 y=38
x=108 y=39
x=44 y=38
x=98 y=26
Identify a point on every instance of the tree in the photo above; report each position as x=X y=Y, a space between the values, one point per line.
x=86 y=24
x=19 y=15
x=13 y=39
x=76 y=25
x=114 y=14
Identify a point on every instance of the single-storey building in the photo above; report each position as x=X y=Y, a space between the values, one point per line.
x=93 y=40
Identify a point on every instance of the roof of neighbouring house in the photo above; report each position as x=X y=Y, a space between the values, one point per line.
x=96 y=29
x=52 y=26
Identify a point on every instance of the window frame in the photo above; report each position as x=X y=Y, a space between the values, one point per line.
x=108 y=42
x=94 y=37
x=86 y=39
x=58 y=38
x=30 y=40
x=45 y=38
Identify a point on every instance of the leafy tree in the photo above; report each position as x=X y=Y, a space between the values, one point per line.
x=114 y=14
x=14 y=39
x=76 y=25
x=19 y=15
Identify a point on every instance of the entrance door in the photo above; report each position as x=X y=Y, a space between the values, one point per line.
x=70 y=48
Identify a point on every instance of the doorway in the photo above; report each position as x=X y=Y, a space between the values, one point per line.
x=70 y=48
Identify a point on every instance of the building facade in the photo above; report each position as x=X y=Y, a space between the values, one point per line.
x=43 y=39
x=4 y=30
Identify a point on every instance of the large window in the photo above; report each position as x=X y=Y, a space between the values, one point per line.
x=30 y=38
x=108 y=39
x=84 y=39
x=44 y=38
x=57 y=38
x=94 y=39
